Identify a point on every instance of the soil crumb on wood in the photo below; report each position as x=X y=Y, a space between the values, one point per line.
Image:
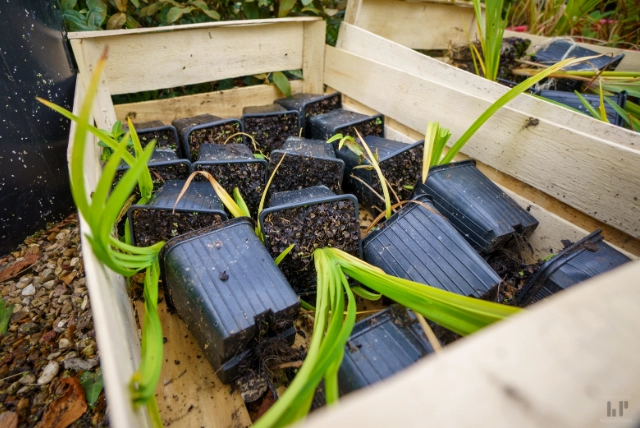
x=213 y=135
x=300 y=172
x=330 y=224
x=270 y=132
x=151 y=226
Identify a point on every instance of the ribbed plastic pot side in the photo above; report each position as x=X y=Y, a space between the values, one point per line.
x=345 y=122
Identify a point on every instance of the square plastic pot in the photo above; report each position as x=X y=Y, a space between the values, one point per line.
x=307 y=163
x=270 y=126
x=206 y=128
x=381 y=346
x=589 y=257
x=486 y=216
x=396 y=159
x=309 y=105
x=164 y=165
x=233 y=165
x=301 y=217
x=340 y=121
x=570 y=99
x=199 y=207
x=166 y=136
x=419 y=244
x=227 y=290
x=558 y=50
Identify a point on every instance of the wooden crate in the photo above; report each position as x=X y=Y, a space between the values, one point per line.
x=189 y=393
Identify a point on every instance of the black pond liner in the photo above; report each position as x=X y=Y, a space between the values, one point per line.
x=340 y=121
x=225 y=287
x=257 y=121
x=387 y=150
x=589 y=257
x=309 y=105
x=483 y=214
x=558 y=50
x=166 y=136
x=572 y=100
x=188 y=125
x=304 y=282
x=304 y=161
x=221 y=160
x=200 y=198
x=380 y=346
x=421 y=245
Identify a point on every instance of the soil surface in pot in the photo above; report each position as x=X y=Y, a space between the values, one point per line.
x=247 y=176
x=401 y=170
x=369 y=127
x=151 y=226
x=330 y=224
x=165 y=139
x=270 y=132
x=213 y=135
x=299 y=172
x=322 y=107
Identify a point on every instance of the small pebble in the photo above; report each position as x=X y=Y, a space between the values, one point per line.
x=27 y=379
x=29 y=290
x=48 y=373
x=79 y=364
x=64 y=343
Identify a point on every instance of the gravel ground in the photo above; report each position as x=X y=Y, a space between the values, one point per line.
x=49 y=362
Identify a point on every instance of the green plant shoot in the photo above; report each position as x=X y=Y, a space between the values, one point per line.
x=491 y=35
x=5 y=316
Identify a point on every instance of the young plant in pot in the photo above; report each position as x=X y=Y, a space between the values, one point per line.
x=206 y=128
x=270 y=126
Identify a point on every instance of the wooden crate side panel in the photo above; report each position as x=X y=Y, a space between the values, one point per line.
x=557 y=364
x=313 y=57
x=596 y=177
x=227 y=103
x=630 y=62
x=418 y=25
x=358 y=41
x=148 y=61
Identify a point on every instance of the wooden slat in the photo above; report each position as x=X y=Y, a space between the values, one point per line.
x=558 y=221
x=158 y=60
x=557 y=364
x=630 y=62
x=357 y=41
x=597 y=177
x=415 y=24
x=313 y=56
x=227 y=103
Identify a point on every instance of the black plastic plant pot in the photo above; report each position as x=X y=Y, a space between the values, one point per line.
x=307 y=163
x=381 y=346
x=206 y=128
x=164 y=165
x=559 y=50
x=309 y=105
x=233 y=165
x=311 y=218
x=401 y=165
x=589 y=257
x=227 y=290
x=270 y=126
x=166 y=136
x=570 y=99
x=345 y=122
x=155 y=221
x=486 y=216
x=419 y=244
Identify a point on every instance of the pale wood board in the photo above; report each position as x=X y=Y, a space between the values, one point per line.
x=415 y=24
x=189 y=393
x=630 y=62
x=158 y=60
x=227 y=103
x=597 y=177
x=313 y=57
x=358 y=41
x=561 y=221
x=555 y=365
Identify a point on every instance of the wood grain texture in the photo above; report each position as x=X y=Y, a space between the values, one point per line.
x=358 y=41
x=157 y=60
x=313 y=57
x=597 y=177
x=189 y=393
x=630 y=62
x=557 y=364
x=550 y=205
x=227 y=103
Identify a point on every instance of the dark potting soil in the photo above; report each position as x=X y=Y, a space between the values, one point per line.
x=151 y=226
x=159 y=175
x=213 y=135
x=513 y=48
x=330 y=224
x=165 y=139
x=401 y=170
x=270 y=132
x=322 y=107
x=369 y=127
x=299 y=172
x=247 y=177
